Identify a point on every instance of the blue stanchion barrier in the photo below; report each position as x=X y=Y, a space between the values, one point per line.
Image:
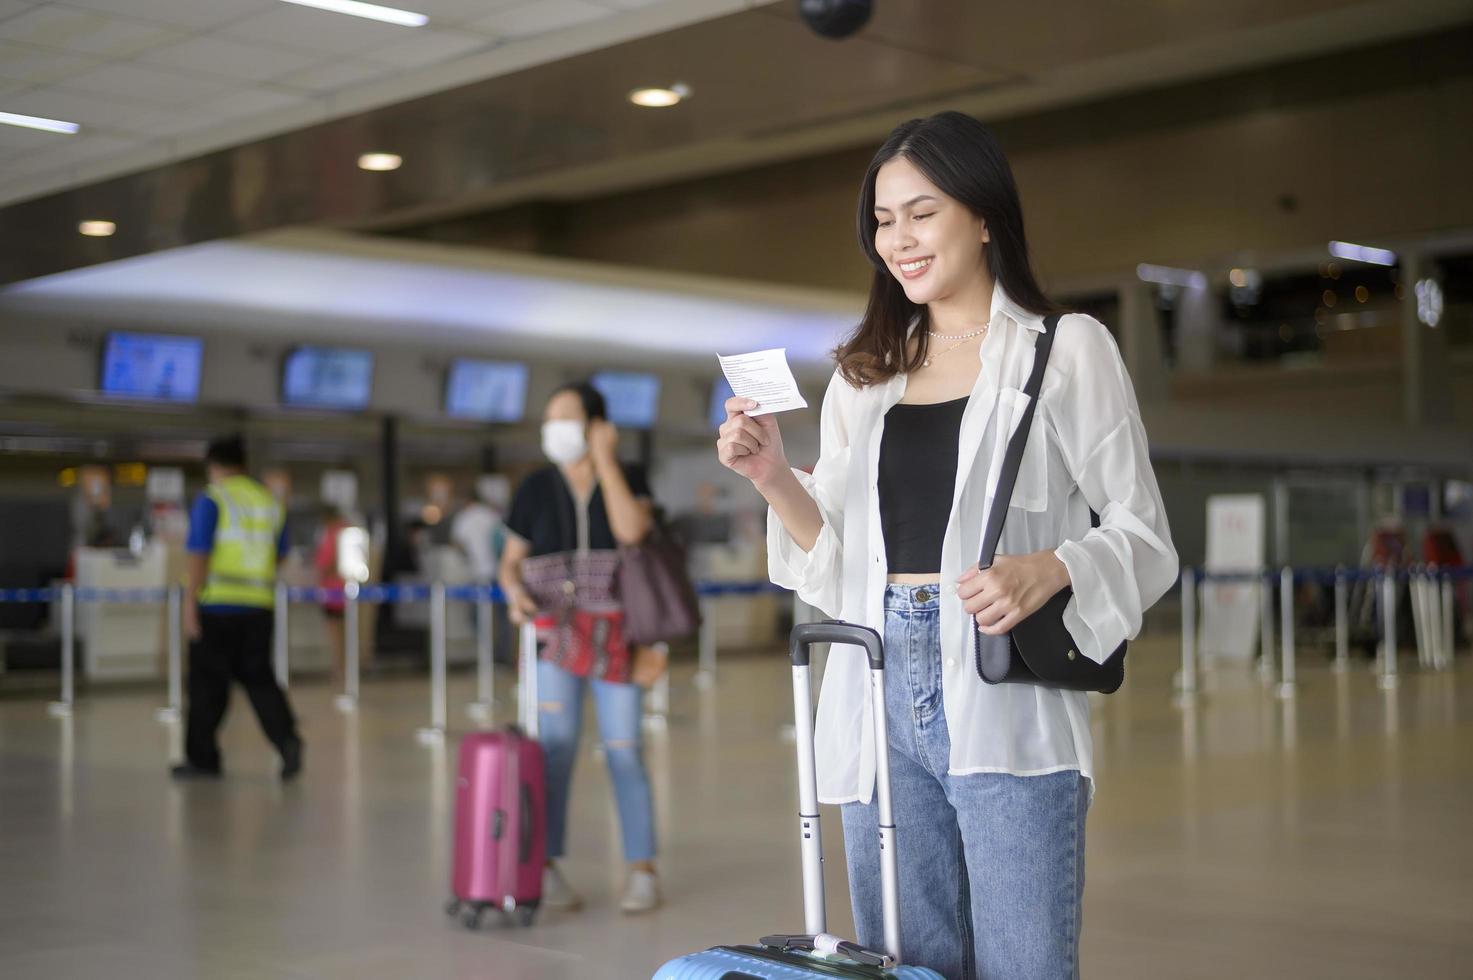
x=313 y=594
x=712 y=590
x=29 y=595
x=420 y=592
x=1328 y=576
x=123 y=597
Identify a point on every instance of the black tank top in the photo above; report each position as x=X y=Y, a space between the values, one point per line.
x=916 y=479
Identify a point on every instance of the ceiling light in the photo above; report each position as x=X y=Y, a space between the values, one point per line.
x=1429 y=301
x=1362 y=253
x=389 y=15
x=97 y=229
x=660 y=98
x=39 y=122
x=1166 y=276
x=380 y=161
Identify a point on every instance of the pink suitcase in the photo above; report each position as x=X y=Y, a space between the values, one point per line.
x=500 y=821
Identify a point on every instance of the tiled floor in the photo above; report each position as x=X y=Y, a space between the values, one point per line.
x=1325 y=837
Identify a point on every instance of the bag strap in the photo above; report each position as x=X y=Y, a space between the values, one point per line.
x=564 y=500
x=1002 y=494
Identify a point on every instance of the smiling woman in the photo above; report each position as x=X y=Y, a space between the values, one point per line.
x=991 y=780
x=930 y=227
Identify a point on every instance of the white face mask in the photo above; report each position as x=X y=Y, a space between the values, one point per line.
x=563 y=441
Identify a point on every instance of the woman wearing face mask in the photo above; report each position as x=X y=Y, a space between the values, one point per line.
x=991 y=782
x=557 y=570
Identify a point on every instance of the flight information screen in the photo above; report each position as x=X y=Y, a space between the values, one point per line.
x=152 y=367
x=327 y=377
x=633 y=397
x=490 y=391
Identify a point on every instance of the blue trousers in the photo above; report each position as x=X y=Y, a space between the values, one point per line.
x=991 y=864
x=560 y=722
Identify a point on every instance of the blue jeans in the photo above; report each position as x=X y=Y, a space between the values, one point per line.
x=560 y=722
x=991 y=864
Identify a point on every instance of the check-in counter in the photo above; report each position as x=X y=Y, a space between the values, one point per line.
x=307 y=650
x=443 y=564
x=742 y=621
x=121 y=641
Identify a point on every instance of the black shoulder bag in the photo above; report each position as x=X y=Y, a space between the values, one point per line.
x=1039 y=650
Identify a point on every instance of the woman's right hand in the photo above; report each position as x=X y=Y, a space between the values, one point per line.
x=750 y=445
x=519 y=607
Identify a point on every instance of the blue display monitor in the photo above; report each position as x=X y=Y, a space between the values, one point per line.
x=327 y=377
x=152 y=367
x=488 y=391
x=719 y=394
x=634 y=398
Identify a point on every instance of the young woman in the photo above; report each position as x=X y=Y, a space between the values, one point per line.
x=991 y=783
x=565 y=526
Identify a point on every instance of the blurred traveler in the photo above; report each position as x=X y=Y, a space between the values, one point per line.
x=479 y=531
x=330 y=577
x=566 y=524
x=237 y=533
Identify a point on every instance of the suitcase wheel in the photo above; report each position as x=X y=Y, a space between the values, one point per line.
x=526 y=915
x=452 y=907
x=471 y=917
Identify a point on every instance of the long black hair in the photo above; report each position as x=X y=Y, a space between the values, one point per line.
x=961 y=157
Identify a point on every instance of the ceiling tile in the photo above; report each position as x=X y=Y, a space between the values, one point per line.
x=14 y=139
x=428 y=48
x=193 y=14
x=154 y=86
x=249 y=102
x=234 y=59
x=317 y=31
x=335 y=75
x=541 y=17
x=85 y=32
x=630 y=4
x=455 y=11
x=92 y=111
x=9 y=8
x=27 y=63
x=77 y=150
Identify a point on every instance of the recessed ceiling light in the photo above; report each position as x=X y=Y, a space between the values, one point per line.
x=1361 y=253
x=372 y=11
x=380 y=161
x=660 y=98
x=39 y=122
x=97 y=229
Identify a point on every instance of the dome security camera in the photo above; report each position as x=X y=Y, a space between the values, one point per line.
x=835 y=19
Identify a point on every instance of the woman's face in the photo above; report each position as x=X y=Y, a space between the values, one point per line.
x=931 y=243
x=565 y=429
x=565 y=406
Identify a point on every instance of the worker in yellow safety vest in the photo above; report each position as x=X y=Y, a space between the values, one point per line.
x=237 y=532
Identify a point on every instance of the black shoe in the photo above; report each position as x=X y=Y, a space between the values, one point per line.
x=188 y=770
x=291 y=761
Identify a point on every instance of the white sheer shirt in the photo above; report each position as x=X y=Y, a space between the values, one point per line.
x=1086 y=451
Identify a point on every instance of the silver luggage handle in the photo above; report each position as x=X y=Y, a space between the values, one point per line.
x=803 y=637
x=527 y=682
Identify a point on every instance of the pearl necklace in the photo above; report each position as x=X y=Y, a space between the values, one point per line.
x=960 y=338
x=957 y=336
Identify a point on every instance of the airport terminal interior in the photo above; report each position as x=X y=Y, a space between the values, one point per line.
x=367 y=246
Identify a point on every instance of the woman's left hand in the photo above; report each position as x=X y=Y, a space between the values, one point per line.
x=603 y=440
x=1014 y=588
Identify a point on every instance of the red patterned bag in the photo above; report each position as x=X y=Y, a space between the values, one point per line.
x=581 y=625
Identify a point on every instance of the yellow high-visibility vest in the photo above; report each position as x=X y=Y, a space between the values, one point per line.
x=242 y=568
